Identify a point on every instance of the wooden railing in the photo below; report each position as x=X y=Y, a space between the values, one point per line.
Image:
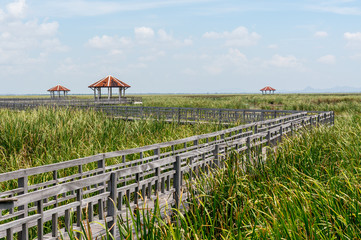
x=56 y=195
x=178 y=114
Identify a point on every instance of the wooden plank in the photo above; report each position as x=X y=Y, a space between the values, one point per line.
x=62 y=188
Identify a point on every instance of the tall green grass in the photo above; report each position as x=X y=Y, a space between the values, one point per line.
x=308 y=189
x=47 y=135
x=340 y=103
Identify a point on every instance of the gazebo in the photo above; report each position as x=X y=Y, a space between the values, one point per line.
x=58 y=89
x=268 y=89
x=109 y=82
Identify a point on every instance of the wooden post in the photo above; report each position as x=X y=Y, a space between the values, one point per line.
x=54 y=217
x=101 y=166
x=67 y=220
x=157 y=172
x=248 y=144
x=216 y=156
x=41 y=219
x=24 y=234
x=281 y=133
x=179 y=115
x=111 y=203
x=177 y=181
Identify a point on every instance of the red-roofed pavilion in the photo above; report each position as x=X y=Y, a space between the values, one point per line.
x=58 y=89
x=109 y=82
x=268 y=89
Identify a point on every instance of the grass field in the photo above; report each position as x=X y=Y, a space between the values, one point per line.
x=43 y=136
x=309 y=189
x=310 y=102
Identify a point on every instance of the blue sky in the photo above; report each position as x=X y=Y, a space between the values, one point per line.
x=180 y=46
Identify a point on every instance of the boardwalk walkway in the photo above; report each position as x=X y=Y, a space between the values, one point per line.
x=58 y=194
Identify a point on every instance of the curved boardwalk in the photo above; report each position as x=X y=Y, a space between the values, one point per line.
x=142 y=174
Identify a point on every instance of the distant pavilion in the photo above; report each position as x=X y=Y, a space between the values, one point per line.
x=109 y=82
x=55 y=91
x=268 y=89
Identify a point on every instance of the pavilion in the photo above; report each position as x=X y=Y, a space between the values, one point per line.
x=109 y=82
x=55 y=91
x=268 y=89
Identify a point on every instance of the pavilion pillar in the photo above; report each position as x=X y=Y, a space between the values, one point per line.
x=95 y=95
x=120 y=93
x=108 y=93
x=123 y=92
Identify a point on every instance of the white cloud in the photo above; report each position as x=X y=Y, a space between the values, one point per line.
x=108 y=42
x=188 y=42
x=273 y=46
x=233 y=61
x=239 y=37
x=48 y=29
x=321 y=34
x=71 y=8
x=164 y=36
x=285 y=61
x=16 y=9
x=143 y=33
x=327 y=59
x=24 y=41
x=353 y=39
x=353 y=36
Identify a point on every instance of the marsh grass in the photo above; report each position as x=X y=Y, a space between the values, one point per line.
x=339 y=103
x=47 y=135
x=308 y=189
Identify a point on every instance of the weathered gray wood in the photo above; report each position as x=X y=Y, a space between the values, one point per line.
x=40 y=220
x=48 y=168
x=111 y=203
x=177 y=181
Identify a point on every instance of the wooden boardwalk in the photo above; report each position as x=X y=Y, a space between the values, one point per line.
x=58 y=194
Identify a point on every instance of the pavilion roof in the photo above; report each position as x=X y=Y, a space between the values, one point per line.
x=58 y=88
x=109 y=81
x=268 y=88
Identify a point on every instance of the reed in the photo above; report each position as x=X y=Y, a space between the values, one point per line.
x=47 y=135
x=308 y=189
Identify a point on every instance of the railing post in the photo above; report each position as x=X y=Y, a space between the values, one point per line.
x=177 y=181
x=281 y=133
x=111 y=203
x=216 y=156
x=40 y=220
x=248 y=144
x=179 y=115
x=101 y=166
x=157 y=172
x=23 y=183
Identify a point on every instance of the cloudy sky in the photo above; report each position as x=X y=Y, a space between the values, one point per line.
x=180 y=46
